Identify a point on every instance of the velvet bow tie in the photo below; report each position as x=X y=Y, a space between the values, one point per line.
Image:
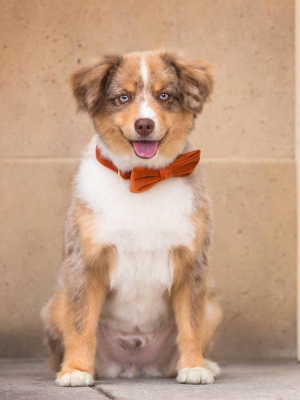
x=143 y=179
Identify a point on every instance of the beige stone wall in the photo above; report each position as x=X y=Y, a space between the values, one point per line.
x=246 y=135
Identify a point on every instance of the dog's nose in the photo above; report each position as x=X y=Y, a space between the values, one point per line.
x=144 y=126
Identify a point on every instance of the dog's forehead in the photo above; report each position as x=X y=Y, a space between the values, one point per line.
x=144 y=70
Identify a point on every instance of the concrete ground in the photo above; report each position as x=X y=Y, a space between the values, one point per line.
x=30 y=379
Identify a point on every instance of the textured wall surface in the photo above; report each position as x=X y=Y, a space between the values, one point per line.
x=246 y=135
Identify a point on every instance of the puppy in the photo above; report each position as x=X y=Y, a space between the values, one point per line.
x=134 y=297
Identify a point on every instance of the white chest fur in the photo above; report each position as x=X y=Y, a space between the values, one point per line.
x=144 y=228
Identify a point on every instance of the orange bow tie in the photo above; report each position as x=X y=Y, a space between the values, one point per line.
x=143 y=179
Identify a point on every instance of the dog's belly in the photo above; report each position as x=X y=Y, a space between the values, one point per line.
x=136 y=328
x=136 y=347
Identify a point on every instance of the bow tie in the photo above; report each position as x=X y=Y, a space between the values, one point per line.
x=143 y=179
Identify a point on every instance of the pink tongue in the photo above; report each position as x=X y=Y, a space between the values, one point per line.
x=145 y=149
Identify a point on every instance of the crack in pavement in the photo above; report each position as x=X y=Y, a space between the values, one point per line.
x=105 y=392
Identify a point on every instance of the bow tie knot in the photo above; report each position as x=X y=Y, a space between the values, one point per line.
x=165 y=173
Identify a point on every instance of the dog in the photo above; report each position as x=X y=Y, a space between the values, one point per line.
x=135 y=297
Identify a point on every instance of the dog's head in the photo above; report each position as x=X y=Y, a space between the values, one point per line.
x=143 y=104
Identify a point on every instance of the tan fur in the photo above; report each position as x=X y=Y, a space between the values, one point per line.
x=189 y=338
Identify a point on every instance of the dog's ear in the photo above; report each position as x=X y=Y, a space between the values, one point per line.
x=89 y=84
x=195 y=80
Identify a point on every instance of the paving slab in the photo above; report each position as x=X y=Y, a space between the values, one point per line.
x=30 y=379
x=26 y=379
x=263 y=381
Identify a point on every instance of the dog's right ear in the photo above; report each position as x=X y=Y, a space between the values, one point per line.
x=194 y=78
x=90 y=84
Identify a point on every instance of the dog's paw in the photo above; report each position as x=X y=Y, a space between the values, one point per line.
x=213 y=367
x=75 y=378
x=195 y=375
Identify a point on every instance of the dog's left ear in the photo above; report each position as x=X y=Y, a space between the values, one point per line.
x=90 y=84
x=195 y=80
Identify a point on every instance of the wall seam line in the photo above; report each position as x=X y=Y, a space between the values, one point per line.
x=250 y=160
x=297 y=153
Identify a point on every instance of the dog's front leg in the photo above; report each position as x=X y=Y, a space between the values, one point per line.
x=189 y=300
x=80 y=314
x=86 y=272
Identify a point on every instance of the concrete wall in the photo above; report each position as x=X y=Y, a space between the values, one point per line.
x=246 y=136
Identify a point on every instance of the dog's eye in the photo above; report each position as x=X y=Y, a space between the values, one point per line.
x=123 y=98
x=164 y=97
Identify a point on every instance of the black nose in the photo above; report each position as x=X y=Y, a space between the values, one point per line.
x=144 y=126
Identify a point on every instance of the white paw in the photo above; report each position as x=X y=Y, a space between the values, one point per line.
x=195 y=375
x=75 y=378
x=213 y=367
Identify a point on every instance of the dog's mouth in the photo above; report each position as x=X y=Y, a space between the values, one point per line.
x=145 y=148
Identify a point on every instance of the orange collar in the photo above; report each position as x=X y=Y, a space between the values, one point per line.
x=143 y=179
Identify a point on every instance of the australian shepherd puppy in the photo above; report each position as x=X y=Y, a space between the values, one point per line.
x=134 y=296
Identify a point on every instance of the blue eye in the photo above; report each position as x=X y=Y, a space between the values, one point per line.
x=123 y=98
x=163 y=96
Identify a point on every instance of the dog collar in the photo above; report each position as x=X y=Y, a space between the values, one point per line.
x=142 y=179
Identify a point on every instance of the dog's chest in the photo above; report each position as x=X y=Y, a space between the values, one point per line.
x=143 y=227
